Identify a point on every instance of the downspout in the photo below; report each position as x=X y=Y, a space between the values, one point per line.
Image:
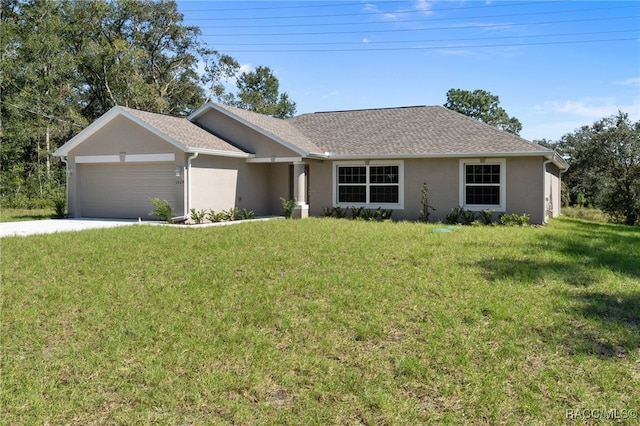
x=187 y=211
x=187 y=207
x=65 y=160
x=544 y=189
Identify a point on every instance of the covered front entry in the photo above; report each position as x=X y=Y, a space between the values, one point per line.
x=121 y=190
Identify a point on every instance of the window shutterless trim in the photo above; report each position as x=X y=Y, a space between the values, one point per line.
x=502 y=185
x=368 y=185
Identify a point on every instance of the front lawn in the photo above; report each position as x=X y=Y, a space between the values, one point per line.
x=18 y=215
x=322 y=321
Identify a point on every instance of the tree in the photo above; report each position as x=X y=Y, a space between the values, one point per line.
x=38 y=100
x=604 y=161
x=482 y=106
x=258 y=91
x=66 y=63
x=134 y=53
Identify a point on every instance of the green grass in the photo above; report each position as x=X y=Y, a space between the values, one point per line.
x=17 y=215
x=320 y=321
x=586 y=213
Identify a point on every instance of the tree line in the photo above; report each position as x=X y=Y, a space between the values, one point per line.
x=65 y=63
x=604 y=158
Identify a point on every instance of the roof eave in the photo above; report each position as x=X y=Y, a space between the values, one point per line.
x=219 y=153
x=469 y=154
x=106 y=119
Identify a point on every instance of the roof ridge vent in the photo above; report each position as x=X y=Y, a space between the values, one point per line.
x=370 y=109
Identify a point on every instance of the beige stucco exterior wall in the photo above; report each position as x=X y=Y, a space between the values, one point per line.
x=243 y=136
x=552 y=190
x=525 y=192
x=221 y=183
x=524 y=187
x=279 y=178
x=121 y=135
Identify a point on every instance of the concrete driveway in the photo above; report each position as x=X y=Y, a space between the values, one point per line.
x=51 y=226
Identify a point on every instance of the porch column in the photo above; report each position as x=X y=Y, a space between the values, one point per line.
x=301 y=211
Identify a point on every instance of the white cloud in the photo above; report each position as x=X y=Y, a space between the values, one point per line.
x=369 y=7
x=634 y=81
x=366 y=40
x=423 y=6
x=246 y=68
x=591 y=108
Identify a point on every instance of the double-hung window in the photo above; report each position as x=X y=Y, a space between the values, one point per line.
x=483 y=184
x=373 y=184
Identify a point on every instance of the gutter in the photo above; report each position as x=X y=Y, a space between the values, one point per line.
x=187 y=207
x=65 y=160
x=544 y=188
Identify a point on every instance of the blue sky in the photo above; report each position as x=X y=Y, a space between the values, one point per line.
x=556 y=65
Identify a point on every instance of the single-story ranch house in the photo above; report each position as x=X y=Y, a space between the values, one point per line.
x=222 y=157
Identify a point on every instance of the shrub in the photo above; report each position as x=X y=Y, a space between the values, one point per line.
x=424 y=203
x=454 y=216
x=356 y=212
x=288 y=206
x=198 y=216
x=60 y=204
x=467 y=217
x=514 y=219
x=162 y=209
x=339 y=212
x=212 y=216
x=381 y=214
x=327 y=211
x=485 y=216
x=245 y=214
x=230 y=215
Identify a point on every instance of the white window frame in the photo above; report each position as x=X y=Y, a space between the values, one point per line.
x=502 y=162
x=371 y=163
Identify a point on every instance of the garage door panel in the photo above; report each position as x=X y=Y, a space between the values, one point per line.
x=123 y=190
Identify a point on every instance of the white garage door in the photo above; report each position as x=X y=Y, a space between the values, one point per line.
x=123 y=190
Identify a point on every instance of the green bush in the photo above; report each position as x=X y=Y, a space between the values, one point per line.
x=454 y=216
x=162 y=209
x=230 y=215
x=514 y=219
x=356 y=212
x=213 y=216
x=424 y=203
x=245 y=214
x=288 y=206
x=467 y=217
x=198 y=216
x=485 y=216
x=60 y=206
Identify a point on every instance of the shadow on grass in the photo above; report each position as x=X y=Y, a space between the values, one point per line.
x=35 y=217
x=605 y=325
x=586 y=251
x=598 y=322
x=594 y=244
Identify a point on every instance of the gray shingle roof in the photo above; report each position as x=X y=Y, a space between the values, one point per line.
x=282 y=129
x=411 y=131
x=183 y=131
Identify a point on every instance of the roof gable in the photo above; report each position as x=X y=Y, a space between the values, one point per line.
x=177 y=131
x=276 y=129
